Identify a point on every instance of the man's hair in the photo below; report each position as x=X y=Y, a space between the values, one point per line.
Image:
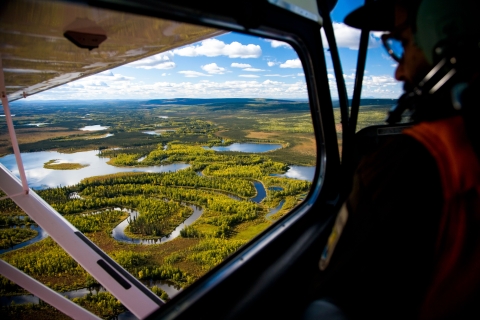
x=411 y=6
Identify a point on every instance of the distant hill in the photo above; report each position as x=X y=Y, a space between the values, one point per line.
x=371 y=102
x=220 y=104
x=265 y=104
x=232 y=104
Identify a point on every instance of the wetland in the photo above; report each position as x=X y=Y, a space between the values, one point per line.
x=207 y=175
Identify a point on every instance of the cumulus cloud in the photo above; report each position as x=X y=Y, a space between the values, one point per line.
x=253 y=69
x=271 y=63
x=348 y=37
x=280 y=75
x=240 y=65
x=214 y=48
x=107 y=73
x=212 y=68
x=277 y=44
x=159 y=61
x=378 y=86
x=248 y=86
x=295 y=63
x=193 y=74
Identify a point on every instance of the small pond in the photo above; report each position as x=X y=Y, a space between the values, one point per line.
x=171 y=289
x=38 y=124
x=95 y=127
x=298 y=172
x=153 y=133
x=247 y=147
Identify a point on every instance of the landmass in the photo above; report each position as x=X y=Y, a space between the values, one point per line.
x=53 y=164
x=219 y=182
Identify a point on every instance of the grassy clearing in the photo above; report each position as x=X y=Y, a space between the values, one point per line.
x=52 y=164
x=249 y=230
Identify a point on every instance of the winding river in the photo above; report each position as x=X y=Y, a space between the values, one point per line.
x=118 y=232
x=39 y=178
x=42 y=234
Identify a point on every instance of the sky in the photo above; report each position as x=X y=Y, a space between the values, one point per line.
x=233 y=65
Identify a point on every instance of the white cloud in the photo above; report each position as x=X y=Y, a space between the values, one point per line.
x=280 y=75
x=295 y=63
x=249 y=76
x=379 y=81
x=212 y=68
x=249 y=87
x=253 y=69
x=240 y=65
x=214 y=48
x=350 y=77
x=348 y=37
x=158 y=61
x=277 y=44
x=271 y=63
x=193 y=74
x=107 y=73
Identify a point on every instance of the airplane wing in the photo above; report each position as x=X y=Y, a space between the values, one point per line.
x=40 y=42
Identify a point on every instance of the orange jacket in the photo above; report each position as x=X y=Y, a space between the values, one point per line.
x=456 y=278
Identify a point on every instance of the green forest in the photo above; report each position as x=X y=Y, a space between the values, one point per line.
x=220 y=183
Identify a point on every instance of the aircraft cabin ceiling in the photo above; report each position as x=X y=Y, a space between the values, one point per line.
x=37 y=56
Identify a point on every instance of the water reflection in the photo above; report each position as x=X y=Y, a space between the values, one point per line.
x=247 y=147
x=171 y=289
x=40 y=178
x=95 y=127
x=298 y=172
x=153 y=133
x=37 y=124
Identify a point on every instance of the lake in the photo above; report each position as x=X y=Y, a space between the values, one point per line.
x=298 y=172
x=95 y=127
x=247 y=147
x=153 y=133
x=40 y=178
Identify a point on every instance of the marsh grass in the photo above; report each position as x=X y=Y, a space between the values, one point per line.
x=52 y=164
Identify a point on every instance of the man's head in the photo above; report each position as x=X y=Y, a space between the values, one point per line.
x=420 y=25
x=398 y=19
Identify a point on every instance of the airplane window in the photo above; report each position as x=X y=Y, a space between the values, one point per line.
x=169 y=164
x=380 y=90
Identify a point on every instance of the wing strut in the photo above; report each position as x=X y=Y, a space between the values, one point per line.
x=11 y=130
x=133 y=294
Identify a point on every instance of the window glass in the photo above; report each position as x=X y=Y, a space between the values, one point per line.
x=380 y=89
x=169 y=164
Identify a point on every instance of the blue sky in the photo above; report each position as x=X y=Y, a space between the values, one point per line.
x=235 y=65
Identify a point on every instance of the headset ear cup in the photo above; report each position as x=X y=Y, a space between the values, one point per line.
x=445 y=20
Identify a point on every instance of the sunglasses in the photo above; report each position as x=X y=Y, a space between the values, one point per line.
x=393 y=46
